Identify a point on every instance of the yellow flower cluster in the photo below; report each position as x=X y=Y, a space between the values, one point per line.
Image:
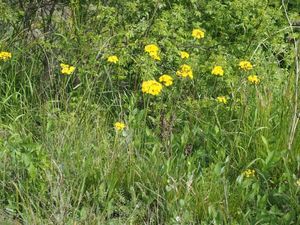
x=113 y=59
x=253 y=79
x=222 y=99
x=67 y=69
x=217 y=71
x=298 y=182
x=249 y=173
x=5 y=55
x=153 y=51
x=119 y=126
x=166 y=80
x=184 y=55
x=185 y=71
x=151 y=87
x=245 y=65
x=198 y=33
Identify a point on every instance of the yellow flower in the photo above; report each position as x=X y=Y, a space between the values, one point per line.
x=166 y=80
x=185 y=71
x=151 y=87
x=245 y=65
x=5 y=55
x=119 y=126
x=151 y=48
x=153 y=51
x=222 y=99
x=253 y=79
x=217 y=71
x=249 y=173
x=154 y=55
x=113 y=59
x=67 y=69
x=184 y=55
x=298 y=182
x=198 y=33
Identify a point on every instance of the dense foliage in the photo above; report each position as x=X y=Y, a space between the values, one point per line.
x=149 y=112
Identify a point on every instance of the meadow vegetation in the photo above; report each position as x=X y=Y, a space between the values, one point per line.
x=149 y=112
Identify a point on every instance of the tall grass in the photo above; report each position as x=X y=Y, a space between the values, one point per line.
x=182 y=156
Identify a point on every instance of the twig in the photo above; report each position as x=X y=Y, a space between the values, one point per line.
x=265 y=39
